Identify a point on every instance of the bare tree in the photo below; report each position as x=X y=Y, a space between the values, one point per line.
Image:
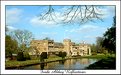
x=80 y=13
x=34 y=50
x=23 y=37
x=49 y=15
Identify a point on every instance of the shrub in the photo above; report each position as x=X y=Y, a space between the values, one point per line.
x=27 y=56
x=94 y=53
x=34 y=57
x=20 y=56
x=62 y=54
x=43 y=55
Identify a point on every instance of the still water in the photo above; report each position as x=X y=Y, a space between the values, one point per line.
x=70 y=64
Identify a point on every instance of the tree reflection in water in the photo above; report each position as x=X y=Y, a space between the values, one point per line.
x=62 y=61
x=42 y=66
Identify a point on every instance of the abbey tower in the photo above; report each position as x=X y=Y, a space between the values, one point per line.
x=67 y=43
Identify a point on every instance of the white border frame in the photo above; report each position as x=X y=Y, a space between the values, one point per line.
x=3 y=3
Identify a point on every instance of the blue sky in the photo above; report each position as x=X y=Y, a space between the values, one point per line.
x=27 y=17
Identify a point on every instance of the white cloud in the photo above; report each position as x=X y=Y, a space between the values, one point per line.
x=85 y=28
x=38 y=22
x=58 y=16
x=13 y=16
x=11 y=28
x=91 y=36
x=49 y=33
x=47 y=21
x=108 y=11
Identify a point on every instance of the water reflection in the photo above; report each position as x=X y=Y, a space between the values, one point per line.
x=84 y=61
x=42 y=66
x=62 y=62
x=69 y=64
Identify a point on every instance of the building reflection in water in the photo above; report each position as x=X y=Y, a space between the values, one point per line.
x=63 y=65
x=66 y=64
x=84 y=61
x=71 y=63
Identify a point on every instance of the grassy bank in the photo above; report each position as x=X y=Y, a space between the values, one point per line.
x=98 y=56
x=53 y=58
x=16 y=64
x=105 y=63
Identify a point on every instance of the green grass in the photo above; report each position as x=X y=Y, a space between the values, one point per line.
x=98 y=56
x=105 y=63
x=14 y=63
x=53 y=58
x=95 y=56
x=10 y=64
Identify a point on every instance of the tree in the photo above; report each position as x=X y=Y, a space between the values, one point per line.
x=20 y=56
x=109 y=41
x=23 y=37
x=43 y=56
x=93 y=49
x=47 y=38
x=99 y=47
x=27 y=56
x=11 y=46
x=62 y=54
x=82 y=13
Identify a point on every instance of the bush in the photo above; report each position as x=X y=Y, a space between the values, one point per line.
x=43 y=55
x=20 y=56
x=62 y=54
x=94 y=53
x=34 y=57
x=27 y=56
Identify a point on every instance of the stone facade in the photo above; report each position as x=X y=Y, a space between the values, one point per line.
x=67 y=46
x=73 y=49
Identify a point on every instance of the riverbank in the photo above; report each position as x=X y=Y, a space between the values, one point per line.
x=105 y=63
x=16 y=64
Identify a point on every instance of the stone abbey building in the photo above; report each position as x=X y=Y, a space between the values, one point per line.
x=67 y=46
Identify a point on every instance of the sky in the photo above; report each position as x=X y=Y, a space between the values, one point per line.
x=28 y=18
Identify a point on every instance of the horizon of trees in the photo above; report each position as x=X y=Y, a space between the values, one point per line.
x=107 y=43
x=17 y=41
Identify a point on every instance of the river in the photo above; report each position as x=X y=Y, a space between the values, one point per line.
x=69 y=64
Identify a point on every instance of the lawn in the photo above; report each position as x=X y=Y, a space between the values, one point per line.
x=15 y=64
x=98 y=56
x=53 y=58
